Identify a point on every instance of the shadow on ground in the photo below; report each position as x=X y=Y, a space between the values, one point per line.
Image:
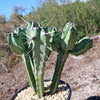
x=93 y=98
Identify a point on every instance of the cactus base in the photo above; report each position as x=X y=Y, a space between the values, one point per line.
x=66 y=86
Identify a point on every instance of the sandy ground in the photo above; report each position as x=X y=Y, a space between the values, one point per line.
x=82 y=73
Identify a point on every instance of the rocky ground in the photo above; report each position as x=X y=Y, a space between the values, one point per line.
x=82 y=73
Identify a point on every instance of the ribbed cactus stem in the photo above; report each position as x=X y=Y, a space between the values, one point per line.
x=40 y=85
x=68 y=40
x=29 y=71
x=40 y=52
x=34 y=43
x=61 y=58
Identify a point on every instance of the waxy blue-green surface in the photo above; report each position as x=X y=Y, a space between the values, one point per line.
x=34 y=43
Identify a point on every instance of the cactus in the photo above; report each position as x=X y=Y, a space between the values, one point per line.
x=68 y=45
x=82 y=46
x=34 y=43
x=16 y=41
x=54 y=39
x=31 y=43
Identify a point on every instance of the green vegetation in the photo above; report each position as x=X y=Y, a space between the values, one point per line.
x=86 y=15
x=35 y=42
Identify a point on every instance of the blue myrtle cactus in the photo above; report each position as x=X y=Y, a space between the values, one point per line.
x=34 y=43
x=68 y=44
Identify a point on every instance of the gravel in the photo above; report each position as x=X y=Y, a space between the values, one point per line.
x=29 y=94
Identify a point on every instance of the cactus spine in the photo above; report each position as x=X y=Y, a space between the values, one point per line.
x=34 y=43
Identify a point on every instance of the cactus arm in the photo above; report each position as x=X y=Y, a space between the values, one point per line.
x=68 y=39
x=13 y=45
x=28 y=68
x=37 y=59
x=40 y=51
x=54 y=39
x=61 y=58
x=38 y=67
x=82 y=46
x=16 y=41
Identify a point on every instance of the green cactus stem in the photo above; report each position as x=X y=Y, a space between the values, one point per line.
x=31 y=43
x=16 y=43
x=40 y=51
x=34 y=43
x=82 y=46
x=61 y=58
x=68 y=40
x=68 y=45
x=55 y=41
x=28 y=68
